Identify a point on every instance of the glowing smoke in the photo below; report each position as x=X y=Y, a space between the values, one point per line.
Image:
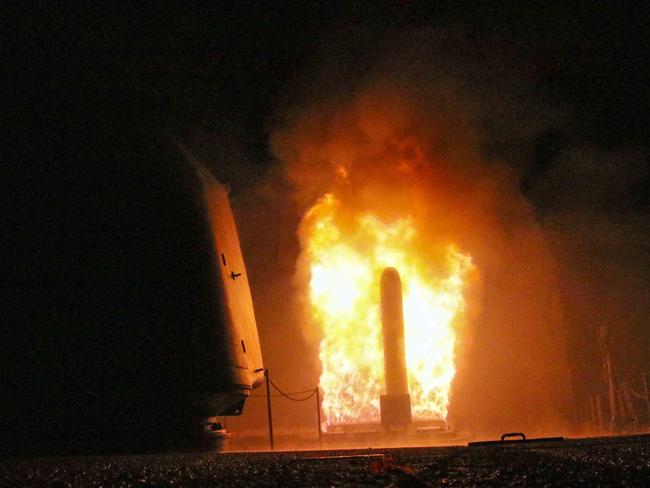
x=404 y=142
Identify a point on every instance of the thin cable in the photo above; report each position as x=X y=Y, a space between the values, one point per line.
x=273 y=395
x=297 y=392
x=289 y=397
x=638 y=395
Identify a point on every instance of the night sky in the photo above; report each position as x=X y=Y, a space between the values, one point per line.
x=89 y=95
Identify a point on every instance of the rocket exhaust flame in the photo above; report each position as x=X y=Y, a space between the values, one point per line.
x=397 y=173
x=347 y=254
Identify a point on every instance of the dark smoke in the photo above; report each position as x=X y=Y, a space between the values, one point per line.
x=557 y=225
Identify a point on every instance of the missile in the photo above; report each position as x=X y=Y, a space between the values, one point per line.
x=395 y=405
x=392 y=326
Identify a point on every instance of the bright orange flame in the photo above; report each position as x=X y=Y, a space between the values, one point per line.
x=345 y=267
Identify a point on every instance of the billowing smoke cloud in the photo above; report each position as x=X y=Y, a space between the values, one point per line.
x=412 y=137
x=593 y=207
x=463 y=134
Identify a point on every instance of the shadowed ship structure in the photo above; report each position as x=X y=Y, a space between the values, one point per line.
x=140 y=328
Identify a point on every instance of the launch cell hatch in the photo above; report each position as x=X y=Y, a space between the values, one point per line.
x=511 y=438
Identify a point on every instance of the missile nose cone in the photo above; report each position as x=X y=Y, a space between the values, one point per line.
x=391 y=302
x=390 y=277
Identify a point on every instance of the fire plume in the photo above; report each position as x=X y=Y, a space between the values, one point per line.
x=346 y=251
x=400 y=173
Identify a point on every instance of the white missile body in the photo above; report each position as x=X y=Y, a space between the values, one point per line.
x=395 y=405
